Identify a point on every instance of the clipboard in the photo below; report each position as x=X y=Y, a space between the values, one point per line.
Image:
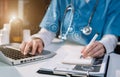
x=98 y=69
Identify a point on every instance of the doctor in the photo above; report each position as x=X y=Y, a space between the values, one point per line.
x=79 y=21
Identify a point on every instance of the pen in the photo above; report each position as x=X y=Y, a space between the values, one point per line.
x=48 y=71
x=93 y=39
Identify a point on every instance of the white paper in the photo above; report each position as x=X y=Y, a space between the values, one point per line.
x=62 y=52
x=78 y=61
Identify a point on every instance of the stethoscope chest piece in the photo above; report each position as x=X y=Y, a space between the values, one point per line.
x=87 y=30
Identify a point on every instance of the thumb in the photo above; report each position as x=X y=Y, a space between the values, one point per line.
x=83 y=49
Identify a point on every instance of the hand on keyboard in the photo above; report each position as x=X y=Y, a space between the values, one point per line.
x=33 y=46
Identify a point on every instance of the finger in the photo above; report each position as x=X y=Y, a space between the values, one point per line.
x=34 y=47
x=89 y=49
x=27 y=47
x=83 y=49
x=99 y=53
x=95 y=49
x=83 y=52
x=40 y=47
x=22 y=46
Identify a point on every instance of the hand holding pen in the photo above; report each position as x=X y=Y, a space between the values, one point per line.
x=94 y=48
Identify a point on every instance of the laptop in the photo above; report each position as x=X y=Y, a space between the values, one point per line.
x=11 y=55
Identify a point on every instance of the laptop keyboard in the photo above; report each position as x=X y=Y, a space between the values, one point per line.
x=16 y=54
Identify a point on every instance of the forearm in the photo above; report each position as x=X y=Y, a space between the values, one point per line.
x=45 y=35
x=109 y=41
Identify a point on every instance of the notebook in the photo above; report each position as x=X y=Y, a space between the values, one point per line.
x=11 y=54
x=73 y=60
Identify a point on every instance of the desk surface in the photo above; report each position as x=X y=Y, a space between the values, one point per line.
x=114 y=66
x=29 y=69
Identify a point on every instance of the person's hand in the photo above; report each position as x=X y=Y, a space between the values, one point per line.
x=33 y=46
x=96 y=49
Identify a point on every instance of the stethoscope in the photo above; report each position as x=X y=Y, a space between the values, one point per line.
x=87 y=30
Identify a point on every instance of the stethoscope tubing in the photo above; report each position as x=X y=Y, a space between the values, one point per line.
x=70 y=8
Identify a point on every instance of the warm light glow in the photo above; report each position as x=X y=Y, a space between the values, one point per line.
x=13 y=17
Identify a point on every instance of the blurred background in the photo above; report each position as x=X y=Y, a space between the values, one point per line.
x=30 y=12
x=20 y=18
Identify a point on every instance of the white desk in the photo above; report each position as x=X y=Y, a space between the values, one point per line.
x=114 y=66
x=29 y=69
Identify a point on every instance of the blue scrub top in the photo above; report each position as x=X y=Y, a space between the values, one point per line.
x=106 y=19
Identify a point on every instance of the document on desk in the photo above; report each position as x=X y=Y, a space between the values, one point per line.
x=80 y=60
x=72 y=59
x=71 y=51
x=61 y=54
x=76 y=58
